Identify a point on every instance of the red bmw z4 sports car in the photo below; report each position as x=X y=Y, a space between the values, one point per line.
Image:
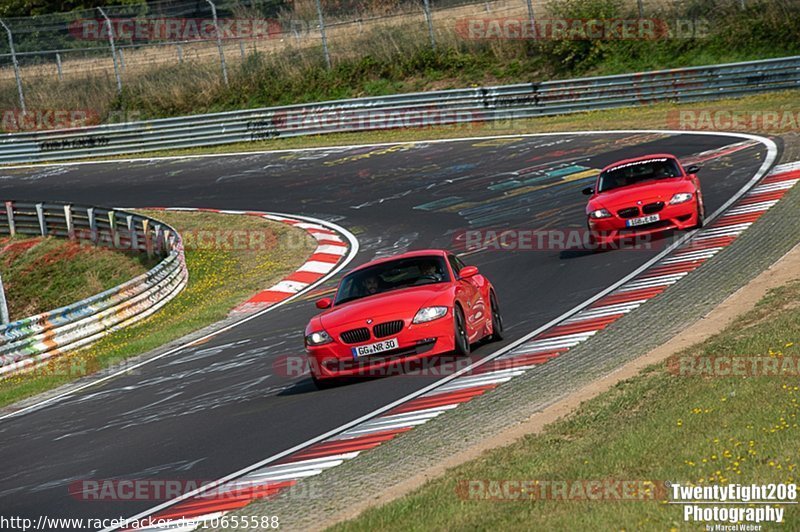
x=400 y=309
x=643 y=196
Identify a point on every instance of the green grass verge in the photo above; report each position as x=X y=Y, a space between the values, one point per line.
x=657 y=426
x=219 y=279
x=41 y=274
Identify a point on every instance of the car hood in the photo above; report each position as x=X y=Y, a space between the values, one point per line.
x=661 y=190
x=399 y=304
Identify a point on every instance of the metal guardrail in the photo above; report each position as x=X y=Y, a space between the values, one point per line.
x=407 y=110
x=30 y=341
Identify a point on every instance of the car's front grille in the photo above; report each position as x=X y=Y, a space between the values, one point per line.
x=630 y=212
x=387 y=329
x=652 y=208
x=354 y=336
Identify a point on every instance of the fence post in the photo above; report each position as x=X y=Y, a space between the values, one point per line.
x=427 y=7
x=16 y=68
x=59 y=67
x=121 y=59
x=324 y=36
x=641 y=8
x=113 y=49
x=532 y=18
x=180 y=53
x=219 y=41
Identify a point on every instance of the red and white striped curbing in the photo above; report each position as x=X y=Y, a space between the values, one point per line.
x=271 y=479
x=331 y=250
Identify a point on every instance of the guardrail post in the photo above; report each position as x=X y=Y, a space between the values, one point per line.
x=12 y=228
x=427 y=6
x=167 y=234
x=132 y=233
x=3 y=304
x=180 y=53
x=148 y=239
x=113 y=48
x=112 y=221
x=92 y=224
x=20 y=93
x=68 y=218
x=159 y=235
x=219 y=41
x=42 y=222
x=324 y=36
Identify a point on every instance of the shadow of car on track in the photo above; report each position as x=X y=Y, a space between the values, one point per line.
x=654 y=242
x=437 y=366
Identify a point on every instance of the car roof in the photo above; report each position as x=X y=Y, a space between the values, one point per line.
x=642 y=158
x=406 y=255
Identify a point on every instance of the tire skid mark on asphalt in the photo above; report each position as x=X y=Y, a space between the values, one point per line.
x=556 y=341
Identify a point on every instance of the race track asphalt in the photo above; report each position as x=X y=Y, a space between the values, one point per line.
x=207 y=411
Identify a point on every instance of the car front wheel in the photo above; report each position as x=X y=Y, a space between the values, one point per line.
x=461 y=336
x=497 y=320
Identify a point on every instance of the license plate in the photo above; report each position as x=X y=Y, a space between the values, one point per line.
x=373 y=349
x=644 y=220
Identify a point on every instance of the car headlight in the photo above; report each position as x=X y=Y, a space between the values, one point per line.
x=599 y=213
x=681 y=197
x=426 y=314
x=318 y=338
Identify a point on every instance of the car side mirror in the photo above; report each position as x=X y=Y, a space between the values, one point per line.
x=588 y=191
x=468 y=271
x=324 y=303
x=693 y=169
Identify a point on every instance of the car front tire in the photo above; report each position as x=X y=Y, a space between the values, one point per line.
x=497 y=319
x=461 y=340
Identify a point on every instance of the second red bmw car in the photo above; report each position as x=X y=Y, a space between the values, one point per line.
x=643 y=196
x=403 y=308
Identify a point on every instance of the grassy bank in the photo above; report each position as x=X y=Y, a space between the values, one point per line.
x=398 y=58
x=657 y=426
x=41 y=274
x=220 y=277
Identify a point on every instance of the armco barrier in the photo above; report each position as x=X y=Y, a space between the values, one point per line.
x=406 y=110
x=30 y=341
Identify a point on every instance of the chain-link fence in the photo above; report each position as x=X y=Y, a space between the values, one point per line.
x=98 y=52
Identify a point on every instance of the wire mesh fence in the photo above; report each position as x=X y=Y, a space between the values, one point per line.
x=73 y=51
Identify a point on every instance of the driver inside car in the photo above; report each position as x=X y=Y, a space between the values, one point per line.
x=430 y=270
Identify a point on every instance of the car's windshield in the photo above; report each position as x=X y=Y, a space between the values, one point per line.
x=638 y=171
x=391 y=275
